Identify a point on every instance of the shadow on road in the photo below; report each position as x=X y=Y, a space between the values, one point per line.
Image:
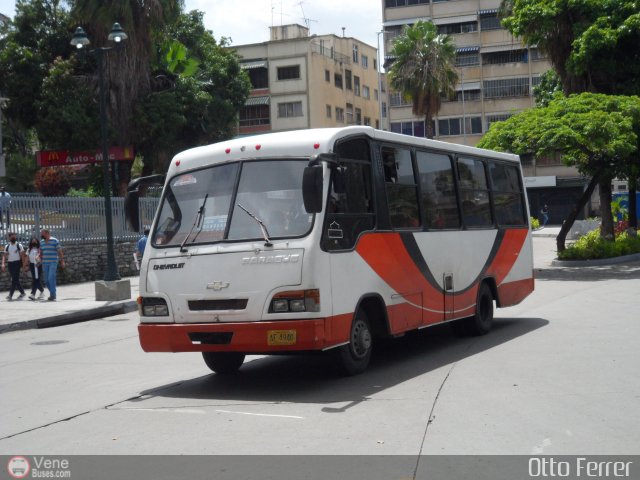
x=310 y=379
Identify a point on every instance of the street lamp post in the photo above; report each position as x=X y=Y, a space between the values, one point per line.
x=380 y=78
x=80 y=40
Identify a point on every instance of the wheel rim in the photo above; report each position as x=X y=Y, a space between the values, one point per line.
x=360 y=339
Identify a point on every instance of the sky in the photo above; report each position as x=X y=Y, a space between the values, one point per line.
x=248 y=21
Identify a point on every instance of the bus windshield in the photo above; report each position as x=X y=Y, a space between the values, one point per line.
x=203 y=206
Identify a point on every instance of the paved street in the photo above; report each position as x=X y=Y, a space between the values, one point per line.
x=558 y=375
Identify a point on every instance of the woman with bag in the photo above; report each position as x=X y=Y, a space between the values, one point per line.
x=14 y=256
x=35 y=266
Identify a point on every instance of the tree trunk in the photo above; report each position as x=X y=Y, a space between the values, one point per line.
x=633 y=206
x=582 y=201
x=606 y=227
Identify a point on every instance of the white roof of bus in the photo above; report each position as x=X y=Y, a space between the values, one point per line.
x=305 y=143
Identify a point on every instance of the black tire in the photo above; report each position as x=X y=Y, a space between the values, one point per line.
x=223 y=362
x=482 y=321
x=353 y=358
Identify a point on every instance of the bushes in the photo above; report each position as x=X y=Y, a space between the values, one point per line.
x=592 y=246
x=535 y=223
x=53 y=181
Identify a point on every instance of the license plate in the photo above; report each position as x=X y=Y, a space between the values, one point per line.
x=281 y=337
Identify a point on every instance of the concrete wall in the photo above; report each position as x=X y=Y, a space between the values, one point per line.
x=84 y=263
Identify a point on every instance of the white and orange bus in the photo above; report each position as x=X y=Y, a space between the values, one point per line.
x=327 y=239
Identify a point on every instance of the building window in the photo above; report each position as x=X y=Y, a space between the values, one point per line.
x=536 y=54
x=355 y=54
x=347 y=79
x=337 y=78
x=358 y=116
x=453 y=126
x=367 y=122
x=509 y=87
x=356 y=86
x=454 y=28
x=415 y=129
x=289 y=73
x=397 y=100
x=349 y=114
x=259 y=77
x=365 y=92
x=254 y=115
x=467 y=59
x=403 y=3
x=469 y=95
x=375 y=93
x=384 y=109
x=339 y=114
x=290 y=109
x=501 y=117
x=328 y=111
x=365 y=61
x=509 y=56
x=327 y=76
x=490 y=22
x=375 y=64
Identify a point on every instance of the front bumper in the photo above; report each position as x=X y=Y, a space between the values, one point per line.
x=246 y=337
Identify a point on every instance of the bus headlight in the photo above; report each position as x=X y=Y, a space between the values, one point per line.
x=153 y=307
x=296 y=301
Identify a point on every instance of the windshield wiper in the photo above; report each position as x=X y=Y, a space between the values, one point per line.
x=263 y=228
x=199 y=218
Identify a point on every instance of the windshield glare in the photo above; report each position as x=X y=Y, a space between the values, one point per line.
x=270 y=190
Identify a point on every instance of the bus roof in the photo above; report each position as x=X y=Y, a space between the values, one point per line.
x=305 y=143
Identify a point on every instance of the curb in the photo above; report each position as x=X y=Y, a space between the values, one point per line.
x=598 y=262
x=73 y=317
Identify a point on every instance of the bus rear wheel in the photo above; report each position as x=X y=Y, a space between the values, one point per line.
x=481 y=322
x=223 y=362
x=353 y=358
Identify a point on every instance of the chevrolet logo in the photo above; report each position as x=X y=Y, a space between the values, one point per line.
x=217 y=285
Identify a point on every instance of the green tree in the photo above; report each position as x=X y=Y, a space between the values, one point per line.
x=547 y=89
x=423 y=69
x=596 y=133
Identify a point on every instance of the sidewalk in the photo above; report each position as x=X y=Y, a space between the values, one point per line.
x=75 y=303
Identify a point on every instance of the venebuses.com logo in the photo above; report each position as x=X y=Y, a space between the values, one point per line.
x=38 y=467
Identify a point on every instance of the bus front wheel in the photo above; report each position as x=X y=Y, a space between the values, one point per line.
x=223 y=362
x=353 y=358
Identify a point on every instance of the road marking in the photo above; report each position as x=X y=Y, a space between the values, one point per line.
x=165 y=410
x=261 y=414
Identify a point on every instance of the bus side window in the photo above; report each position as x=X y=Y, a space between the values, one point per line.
x=349 y=206
x=474 y=193
x=438 y=193
x=402 y=192
x=507 y=194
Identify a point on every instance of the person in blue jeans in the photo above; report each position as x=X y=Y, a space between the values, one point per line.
x=545 y=215
x=51 y=255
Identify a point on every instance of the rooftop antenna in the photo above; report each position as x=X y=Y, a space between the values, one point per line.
x=306 y=19
x=343 y=29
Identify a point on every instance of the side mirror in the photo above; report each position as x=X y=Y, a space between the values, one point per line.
x=131 y=207
x=312 y=189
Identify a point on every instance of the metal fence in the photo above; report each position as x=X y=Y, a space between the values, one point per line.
x=71 y=219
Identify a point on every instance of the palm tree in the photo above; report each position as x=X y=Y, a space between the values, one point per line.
x=128 y=72
x=423 y=69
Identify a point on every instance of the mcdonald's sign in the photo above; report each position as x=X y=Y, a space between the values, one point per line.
x=56 y=158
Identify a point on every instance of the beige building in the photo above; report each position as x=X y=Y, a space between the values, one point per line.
x=497 y=74
x=301 y=81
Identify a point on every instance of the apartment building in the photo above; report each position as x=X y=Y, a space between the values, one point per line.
x=496 y=74
x=301 y=81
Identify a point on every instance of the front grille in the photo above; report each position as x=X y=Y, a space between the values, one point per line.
x=211 y=338
x=231 y=304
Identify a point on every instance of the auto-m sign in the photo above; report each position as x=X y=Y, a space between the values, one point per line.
x=52 y=158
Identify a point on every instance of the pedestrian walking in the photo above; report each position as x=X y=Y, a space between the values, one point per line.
x=14 y=255
x=545 y=215
x=51 y=255
x=34 y=256
x=5 y=207
x=141 y=245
